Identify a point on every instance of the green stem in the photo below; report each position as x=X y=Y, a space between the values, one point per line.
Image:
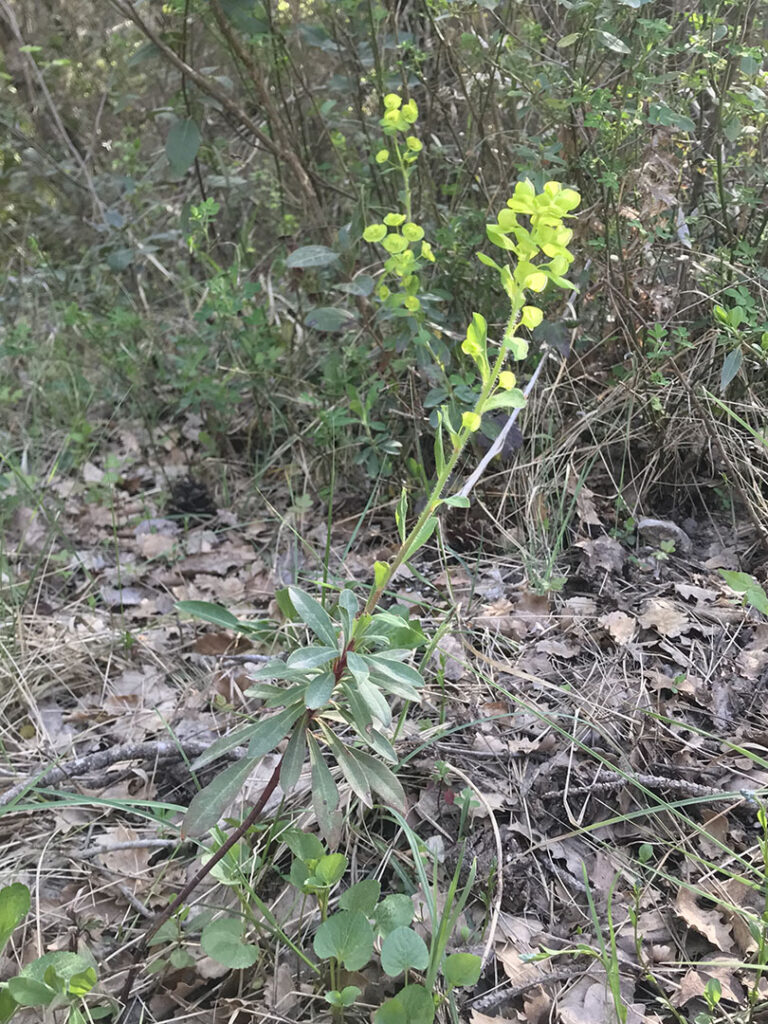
x=406 y=173
x=436 y=494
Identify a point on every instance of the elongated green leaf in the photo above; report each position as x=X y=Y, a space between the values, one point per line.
x=313 y=615
x=351 y=768
x=311 y=657
x=380 y=570
x=209 y=612
x=394 y=677
x=731 y=366
x=422 y=537
x=612 y=42
x=381 y=779
x=375 y=702
x=209 y=804
x=223 y=745
x=347 y=611
x=309 y=256
x=14 y=907
x=380 y=745
x=401 y=514
x=319 y=690
x=294 y=757
x=329 y=318
x=269 y=731
x=399 y=631
x=182 y=145
x=456 y=501
x=277 y=669
x=325 y=794
x=359 y=716
x=439 y=446
x=512 y=399
x=357 y=667
x=396 y=688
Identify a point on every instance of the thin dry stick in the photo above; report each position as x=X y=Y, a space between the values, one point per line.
x=499 y=441
x=211 y=88
x=151 y=751
x=192 y=884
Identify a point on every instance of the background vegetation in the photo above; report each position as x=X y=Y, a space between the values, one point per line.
x=185 y=281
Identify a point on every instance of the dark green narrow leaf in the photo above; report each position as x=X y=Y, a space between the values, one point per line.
x=224 y=744
x=351 y=768
x=293 y=758
x=210 y=803
x=421 y=537
x=319 y=690
x=380 y=745
x=375 y=702
x=313 y=615
x=209 y=612
x=325 y=794
x=311 y=657
x=381 y=779
x=731 y=366
x=358 y=710
x=309 y=256
x=182 y=145
x=269 y=731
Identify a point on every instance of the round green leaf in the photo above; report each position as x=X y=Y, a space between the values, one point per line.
x=223 y=942
x=362 y=896
x=304 y=845
x=348 y=937
x=394 y=243
x=462 y=969
x=403 y=950
x=394 y=911
x=374 y=233
x=390 y=1012
x=330 y=868
x=413 y=1005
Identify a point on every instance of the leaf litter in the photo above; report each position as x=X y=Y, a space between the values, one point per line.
x=571 y=710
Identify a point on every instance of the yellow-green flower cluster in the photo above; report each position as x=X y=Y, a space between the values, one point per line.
x=544 y=234
x=402 y=239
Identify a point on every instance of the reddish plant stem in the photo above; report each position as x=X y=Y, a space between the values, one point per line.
x=196 y=879
x=253 y=816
